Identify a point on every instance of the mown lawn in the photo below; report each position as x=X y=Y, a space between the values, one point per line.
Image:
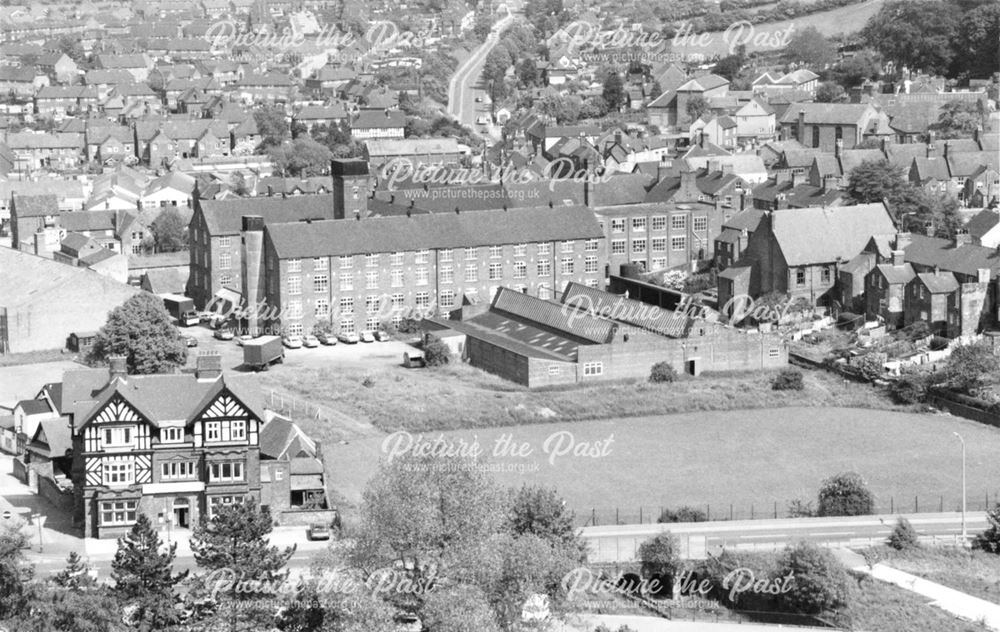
x=882 y=607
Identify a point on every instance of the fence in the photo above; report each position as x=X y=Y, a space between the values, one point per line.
x=773 y=509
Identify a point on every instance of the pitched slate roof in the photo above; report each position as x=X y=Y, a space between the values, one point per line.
x=620 y=308
x=966 y=259
x=432 y=230
x=378 y=119
x=824 y=235
x=223 y=217
x=281 y=438
x=36 y=205
x=52 y=438
x=34 y=406
x=940 y=283
x=896 y=274
x=827 y=113
x=983 y=222
x=704 y=83
x=552 y=316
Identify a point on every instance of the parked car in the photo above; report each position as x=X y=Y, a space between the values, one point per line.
x=190 y=341
x=206 y=317
x=223 y=334
x=292 y=342
x=367 y=336
x=479 y=99
x=381 y=335
x=318 y=531
x=243 y=338
x=189 y=318
x=326 y=339
x=349 y=338
x=310 y=341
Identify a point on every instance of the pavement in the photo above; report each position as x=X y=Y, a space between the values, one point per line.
x=620 y=543
x=954 y=602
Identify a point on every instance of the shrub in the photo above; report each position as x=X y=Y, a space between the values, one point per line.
x=819 y=584
x=903 y=536
x=850 y=321
x=436 y=352
x=800 y=509
x=871 y=366
x=368 y=382
x=845 y=494
x=662 y=372
x=909 y=389
x=788 y=380
x=989 y=540
x=408 y=326
x=698 y=283
x=682 y=514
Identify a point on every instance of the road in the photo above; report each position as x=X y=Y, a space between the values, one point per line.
x=611 y=544
x=462 y=87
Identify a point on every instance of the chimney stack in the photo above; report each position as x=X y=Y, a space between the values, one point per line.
x=117 y=367
x=800 y=129
x=208 y=366
x=898 y=257
x=838 y=147
x=962 y=238
x=902 y=241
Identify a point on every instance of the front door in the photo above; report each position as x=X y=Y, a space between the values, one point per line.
x=181 y=513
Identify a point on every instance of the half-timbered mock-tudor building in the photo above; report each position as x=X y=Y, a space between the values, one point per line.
x=174 y=447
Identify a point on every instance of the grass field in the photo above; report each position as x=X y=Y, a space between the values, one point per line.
x=847 y=19
x=717 y=458
x=875 y=605
x=974 y=572
x=459 y=396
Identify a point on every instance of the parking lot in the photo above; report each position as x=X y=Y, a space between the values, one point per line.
x=360 y=354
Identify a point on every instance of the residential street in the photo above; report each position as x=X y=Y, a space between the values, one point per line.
x=462 y=87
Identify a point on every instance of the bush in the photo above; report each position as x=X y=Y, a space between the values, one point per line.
x=788 y=380
x=871 y=366
x=850 y=321
x=845 y=494
x=368 y=382
x=903 y=536
x=662 y=372
x=682 y=514
x=698 y=283
x=800 y=509
x=409 y=326
x=819 y=582
x=989 y=540
x=436 y=352
x=909 y=389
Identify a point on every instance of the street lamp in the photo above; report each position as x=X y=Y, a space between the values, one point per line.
x=964 y=533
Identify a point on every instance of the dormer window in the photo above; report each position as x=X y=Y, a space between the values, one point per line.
x=172 y=435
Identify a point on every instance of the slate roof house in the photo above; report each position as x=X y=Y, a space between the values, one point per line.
x=821 y=125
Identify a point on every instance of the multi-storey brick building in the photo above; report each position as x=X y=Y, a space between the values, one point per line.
x=138 y=448
x=361 y=274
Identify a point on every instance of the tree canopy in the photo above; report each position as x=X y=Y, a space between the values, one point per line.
x=845 y=494
x=917 y=34
x=143 y=574
x=169 y=231
x=809 y=47
x=141 y=330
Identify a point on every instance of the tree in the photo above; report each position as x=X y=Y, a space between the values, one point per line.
x=696 y=106
x=301 y=157
x=483 y=25
x=74 y=576
x=15 y=590
x=903 y=536
x=458 y=609
x=73 y=49
x=236 y=539
x=976 y=51
x=819 y=582
x=989 y=540
x=729 y=67
x=240 y=187
x=788 y=380
x=143 y=575
x=970 y=367
x=614 y=92
x=959 y=119
x=76 y=611
x=436 y=352
x=169 y=231
x=853 y=71
x=662 y=372
x=830 y=92
x=272 y=124
x=875 y=180
x=917 y=34
x=660 y=555
x=527 y=72
x=809 y=47
x=141 y=330
x=542 y=512
x=845 y=494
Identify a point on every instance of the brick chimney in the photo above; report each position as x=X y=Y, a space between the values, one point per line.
x=898 y=257
x=117 y=368
x=962 y=238
x=902 y=241
x=829 y=183
x=208 y=366
x=800 y=129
